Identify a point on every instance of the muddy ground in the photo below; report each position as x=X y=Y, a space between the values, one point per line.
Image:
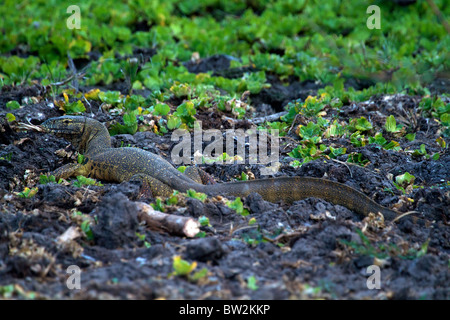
x=311 y=249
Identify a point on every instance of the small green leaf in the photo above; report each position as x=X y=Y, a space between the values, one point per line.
x=182 y=267
x=12 y=105
x=251 y=283
x=158 y=205
x=80 y=158
x=43 y=179
x=361 y=124
x=238 y=206
x=391 y=124
x=441 y=142
x=202 y=273
x=74 y=107
x=83 y=181
x=423 y=249
x=110 y=97
x=10 y=117
x=86 y=228
x=310 y=132
x=405 y=179
x=204 y=221
x=201 y=234
x=173 y=122
x=161 y=109
x=435 y=156
x=196 y=195
x=244 y=177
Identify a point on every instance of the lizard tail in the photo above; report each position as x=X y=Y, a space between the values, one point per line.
x=290 y=189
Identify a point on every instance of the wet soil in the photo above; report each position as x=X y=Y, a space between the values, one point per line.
x=310 y=249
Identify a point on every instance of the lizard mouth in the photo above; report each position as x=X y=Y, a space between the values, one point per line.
x=55 y=128
x=64 y=125
x=59 y=130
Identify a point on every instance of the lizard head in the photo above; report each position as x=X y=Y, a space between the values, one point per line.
x=82 y=132
x=65 y=126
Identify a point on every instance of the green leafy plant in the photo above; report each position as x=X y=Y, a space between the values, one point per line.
x=238 y=206
x=422 y=152
x=357 y=158
x=186 y=112
x=161 y=109
x=243 y=177
x=27 y=192
x=204 y=221
x=361 y=124
x=44 y=179
x=86 y=228
x=184 y=268
x=10 y=117
x=70 y=107
x=336 y=152
x=142 y=237
x=306 y=152
x=381 y=141
x=130 y=124
x=85 y=224
x=410 y=136
x=110 y=97
x=383 y=251
x=83 y=181
x=7 y=157
x=282 y=127
x=196 y=195
x=158 y=205
x=358 y=140
x=391 y=125
x=12 y=105
x=251 y=283
x=310 y=132
x=403 y=181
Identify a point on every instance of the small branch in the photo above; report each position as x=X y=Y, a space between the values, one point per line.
x=28 y=126
x=69 y=79
x=170 y=223
x=258 y=120
x=73 y=69
x=270 y=117
x=439 y=14
x=345 y=164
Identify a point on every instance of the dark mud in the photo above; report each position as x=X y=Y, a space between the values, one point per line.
x=311 y=249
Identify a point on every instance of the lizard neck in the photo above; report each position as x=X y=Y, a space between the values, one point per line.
x=94 y=139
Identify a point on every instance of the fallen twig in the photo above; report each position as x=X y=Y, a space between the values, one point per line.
x=404 y=215
x=439 y=14
x=28 y=126
x=270 y=117
x=170 y=223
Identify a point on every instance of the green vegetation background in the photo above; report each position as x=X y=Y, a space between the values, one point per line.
x=319 y=40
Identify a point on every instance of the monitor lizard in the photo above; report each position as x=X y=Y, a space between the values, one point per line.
x=103 y=162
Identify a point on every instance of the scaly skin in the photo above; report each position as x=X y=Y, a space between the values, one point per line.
x=122 y=164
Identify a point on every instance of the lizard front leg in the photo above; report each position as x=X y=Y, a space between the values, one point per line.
x=69 y=170
x=199 y=175
x=151 y=187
